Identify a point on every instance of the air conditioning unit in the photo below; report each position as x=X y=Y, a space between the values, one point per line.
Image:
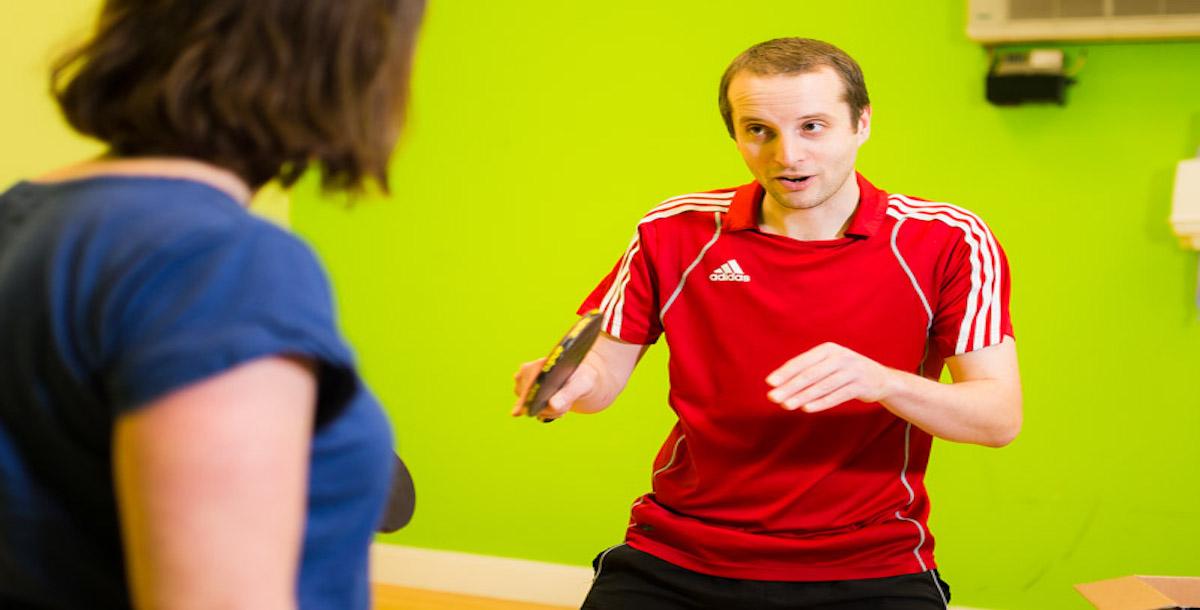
x=1011 y=21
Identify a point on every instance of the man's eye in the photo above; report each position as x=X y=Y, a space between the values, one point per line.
x=756 y=130
x=813 y=127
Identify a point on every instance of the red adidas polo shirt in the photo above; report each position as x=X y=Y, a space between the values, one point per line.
x=743 y=488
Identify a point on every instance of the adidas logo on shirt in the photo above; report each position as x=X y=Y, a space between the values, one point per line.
x=731 y=271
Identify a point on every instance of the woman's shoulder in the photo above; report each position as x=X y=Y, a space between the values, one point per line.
x=164 y=217
x=125 y=230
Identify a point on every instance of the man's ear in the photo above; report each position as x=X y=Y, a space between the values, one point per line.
x=864 y=124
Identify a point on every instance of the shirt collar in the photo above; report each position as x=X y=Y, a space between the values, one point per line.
x=868 y=215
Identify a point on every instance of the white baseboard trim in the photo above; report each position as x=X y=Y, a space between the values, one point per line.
x=480 y=575
x=485 y=576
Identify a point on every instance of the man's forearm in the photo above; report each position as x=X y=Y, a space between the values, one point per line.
x=613 y=363
x=979 y=411
x=982 y=406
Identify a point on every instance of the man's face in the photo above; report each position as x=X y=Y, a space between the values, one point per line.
x=795 y=133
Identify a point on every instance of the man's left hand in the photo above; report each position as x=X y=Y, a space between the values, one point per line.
x=827 y=376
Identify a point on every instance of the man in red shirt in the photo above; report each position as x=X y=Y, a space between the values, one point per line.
x=809 y=316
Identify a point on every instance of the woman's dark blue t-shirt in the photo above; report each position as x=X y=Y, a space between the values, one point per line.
x=114 y=291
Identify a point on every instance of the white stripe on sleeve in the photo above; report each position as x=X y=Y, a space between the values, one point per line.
x=613 y=304
x=984 y=296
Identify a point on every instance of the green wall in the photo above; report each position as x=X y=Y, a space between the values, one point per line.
x=541 y=131
x=36 y=138
x=548 y=133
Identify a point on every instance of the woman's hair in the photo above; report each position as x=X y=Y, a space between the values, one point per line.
x=261 y=87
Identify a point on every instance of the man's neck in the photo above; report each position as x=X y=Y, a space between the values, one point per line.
x=826 y=221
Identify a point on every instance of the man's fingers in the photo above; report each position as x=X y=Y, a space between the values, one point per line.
x=582 y=381
x=522 y=380
x=843 y=394
x=525 y=375
x=799 y=363
x=819 y=390
x=801 y=381
x=824 y=377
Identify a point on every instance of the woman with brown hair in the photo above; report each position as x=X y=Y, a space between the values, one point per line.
x=181 y=425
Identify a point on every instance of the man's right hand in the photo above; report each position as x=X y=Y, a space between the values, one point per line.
x=582 y=381
x=592 y=387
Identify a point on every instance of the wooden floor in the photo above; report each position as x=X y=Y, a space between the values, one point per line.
x=389 y=597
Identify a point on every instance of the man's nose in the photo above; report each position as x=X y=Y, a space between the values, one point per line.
x=790 y=150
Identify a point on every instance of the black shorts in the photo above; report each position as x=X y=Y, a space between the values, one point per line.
x=629 y=579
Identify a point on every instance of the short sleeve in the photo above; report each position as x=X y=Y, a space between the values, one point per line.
x=972 y=307
x=213 y=300
x=628 y=296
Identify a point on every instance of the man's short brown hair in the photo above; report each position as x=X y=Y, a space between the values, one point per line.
x=796 y=56
x=260 y=88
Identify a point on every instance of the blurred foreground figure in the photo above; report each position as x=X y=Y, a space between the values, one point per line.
x=181 y=425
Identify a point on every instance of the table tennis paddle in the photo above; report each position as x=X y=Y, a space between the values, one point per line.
x=402 y=499
x=562 y=361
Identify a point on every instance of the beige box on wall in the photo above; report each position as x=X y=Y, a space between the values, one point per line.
x=1143 y=593
x=1185 y=203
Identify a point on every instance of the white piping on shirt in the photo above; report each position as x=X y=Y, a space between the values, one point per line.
x=683 y=279
x=911 y=496
x=916 y=286
x=613 y=304
x=670 y=462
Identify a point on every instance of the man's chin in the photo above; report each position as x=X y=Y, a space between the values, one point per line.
x=792 y=201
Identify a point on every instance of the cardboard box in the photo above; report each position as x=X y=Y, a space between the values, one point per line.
x=1143 y=593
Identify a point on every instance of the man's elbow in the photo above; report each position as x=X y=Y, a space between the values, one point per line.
x=1006 y=430
x=1003 y=437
